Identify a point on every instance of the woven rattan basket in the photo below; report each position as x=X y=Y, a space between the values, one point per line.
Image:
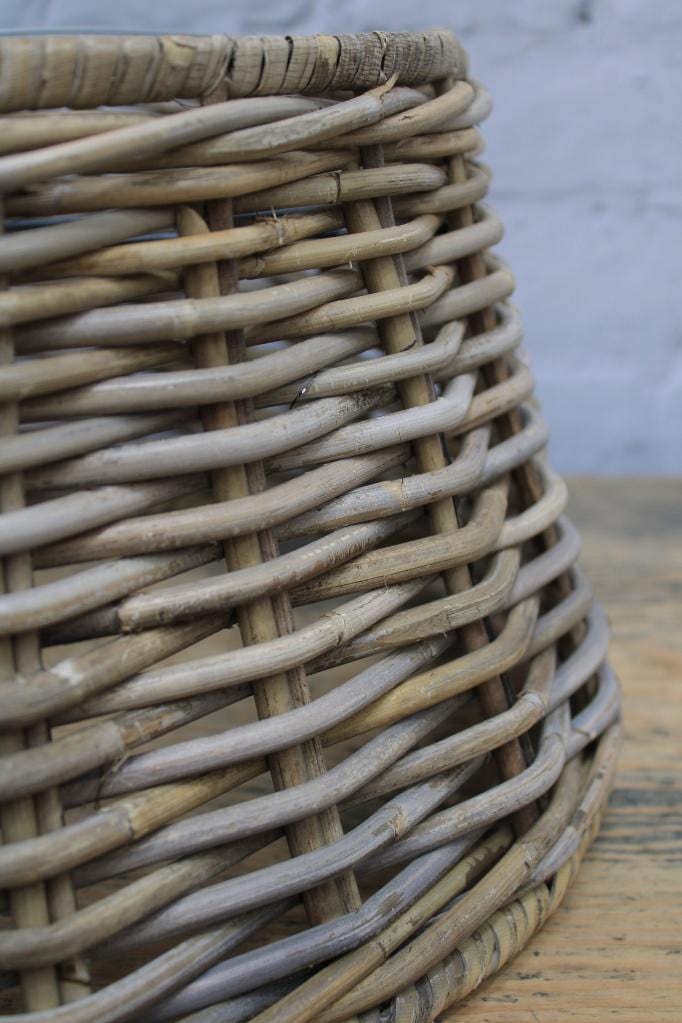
x=305 y=712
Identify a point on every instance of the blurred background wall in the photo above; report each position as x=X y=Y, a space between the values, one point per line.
x=586 y=147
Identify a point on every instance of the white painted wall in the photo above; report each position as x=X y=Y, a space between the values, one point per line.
x=585 y=142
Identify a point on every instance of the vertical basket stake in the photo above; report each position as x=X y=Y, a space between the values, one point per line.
x=266 y=618
x=399 y=333
x=33 y=905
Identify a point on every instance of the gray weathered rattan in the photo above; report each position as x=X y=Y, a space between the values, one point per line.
x=274 y=489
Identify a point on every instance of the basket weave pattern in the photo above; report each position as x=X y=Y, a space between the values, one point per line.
x=305 y=708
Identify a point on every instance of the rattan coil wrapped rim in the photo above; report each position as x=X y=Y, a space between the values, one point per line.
x=306 y=708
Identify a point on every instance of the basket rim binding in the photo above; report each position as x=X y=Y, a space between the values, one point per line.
x=40 y=71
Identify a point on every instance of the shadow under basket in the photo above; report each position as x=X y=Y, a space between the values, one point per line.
x=305 y=711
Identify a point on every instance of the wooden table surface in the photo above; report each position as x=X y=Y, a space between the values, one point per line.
x=614 y=948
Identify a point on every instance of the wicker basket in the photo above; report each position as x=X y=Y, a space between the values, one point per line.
x=274 y=493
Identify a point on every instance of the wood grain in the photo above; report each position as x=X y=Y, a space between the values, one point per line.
x=614 y=948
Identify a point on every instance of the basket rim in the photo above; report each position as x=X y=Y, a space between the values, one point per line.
x=42 y=70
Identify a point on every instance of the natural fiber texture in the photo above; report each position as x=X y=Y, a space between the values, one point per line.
x=274 y=493
x=87 y=71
